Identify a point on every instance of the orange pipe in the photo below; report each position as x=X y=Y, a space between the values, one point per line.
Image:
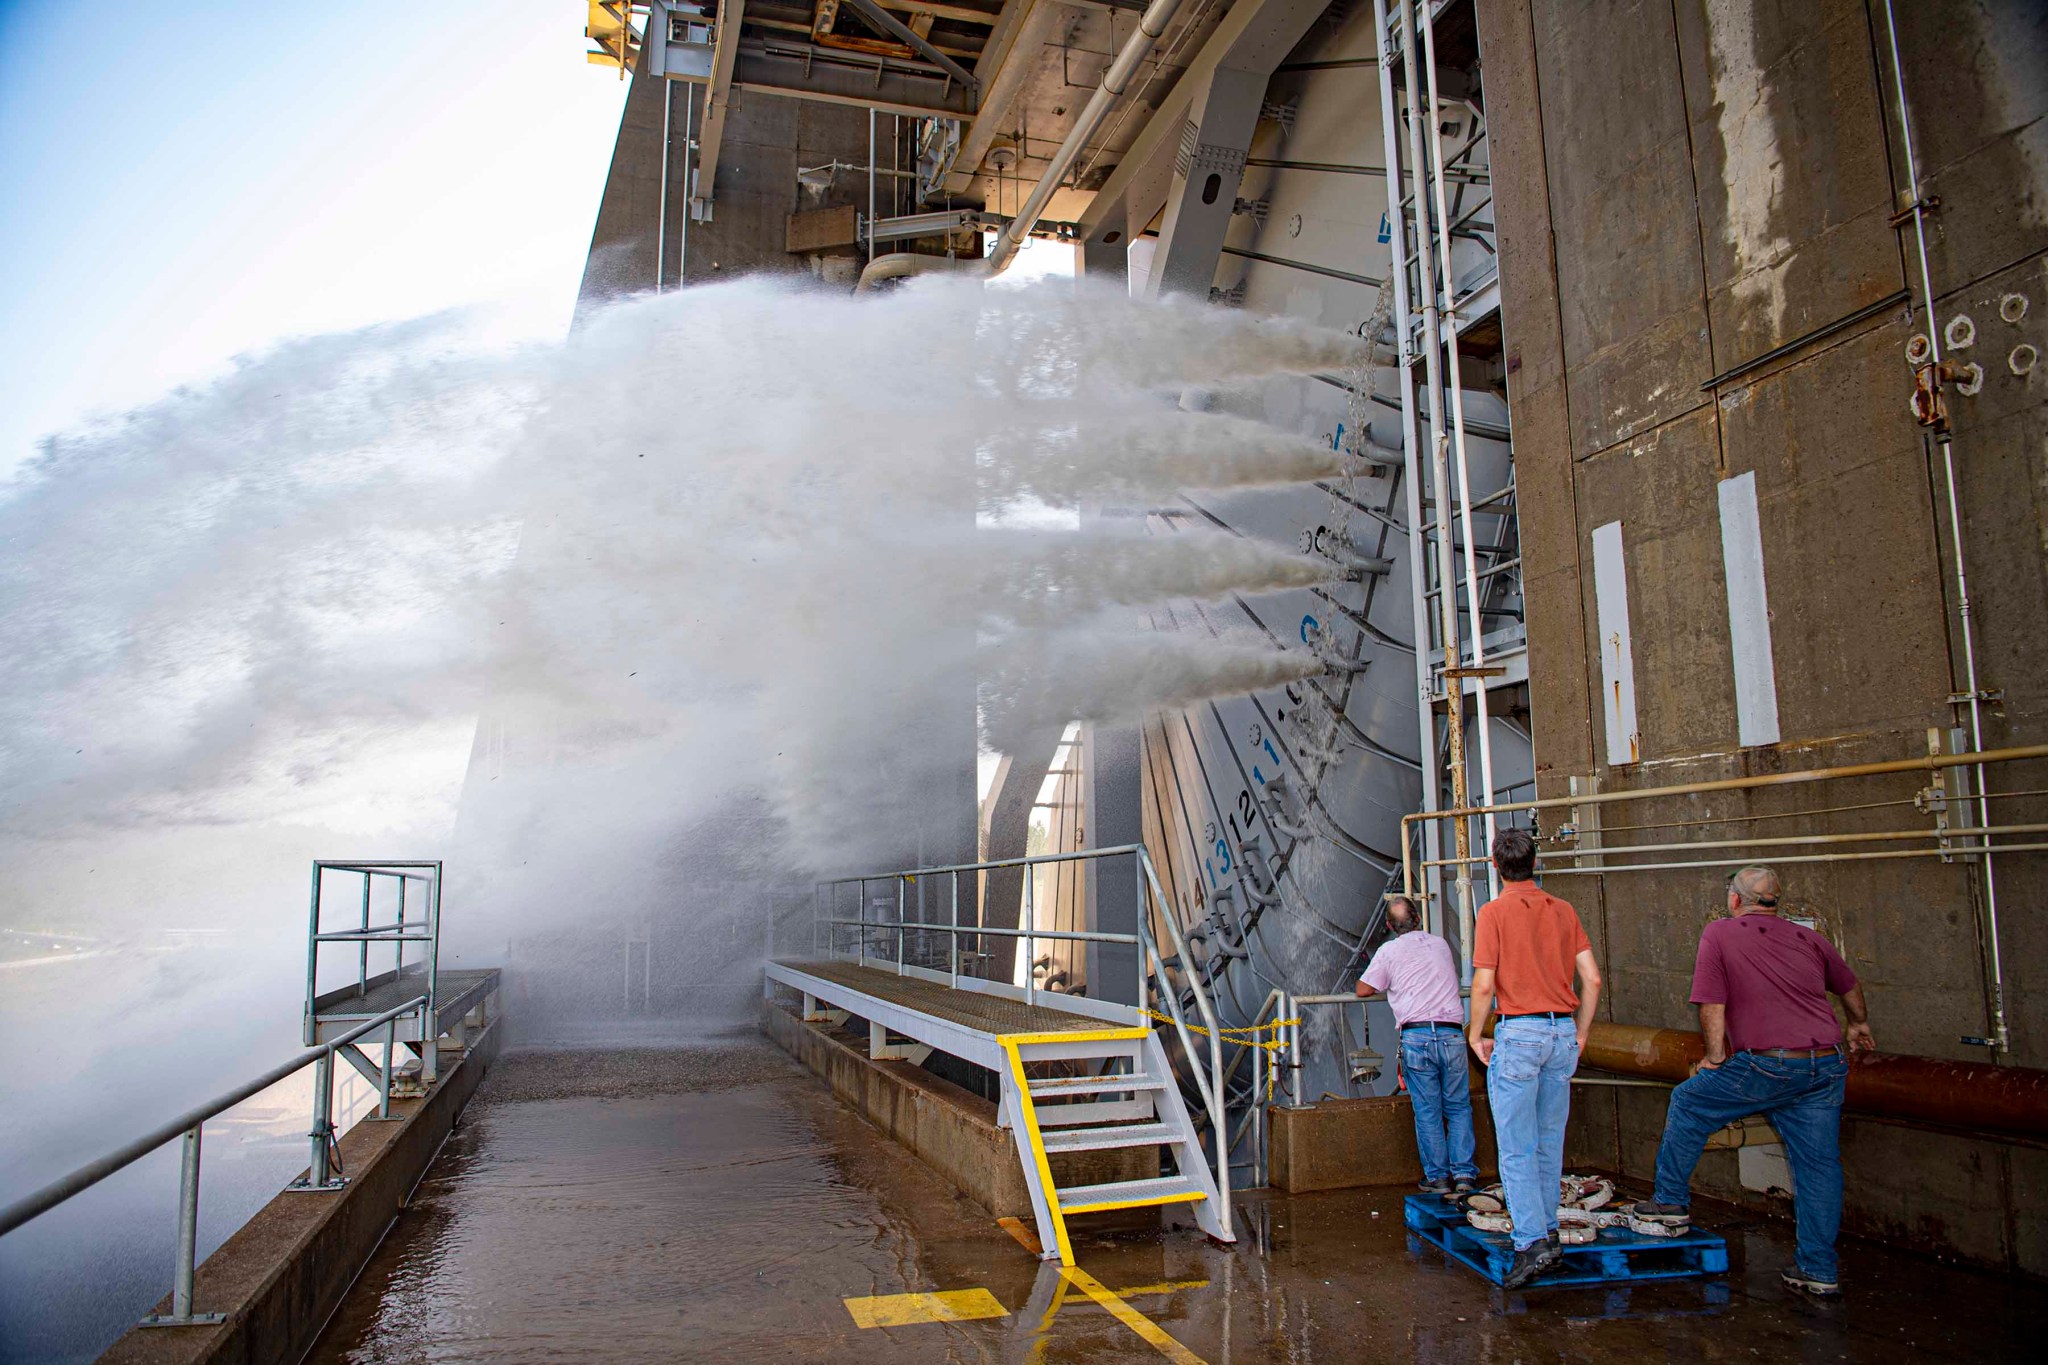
x=1973 y=1095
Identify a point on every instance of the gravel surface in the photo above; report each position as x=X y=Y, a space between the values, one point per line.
x=621 y=1073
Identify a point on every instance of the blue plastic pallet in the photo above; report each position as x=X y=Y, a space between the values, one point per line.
x=1619 y=1256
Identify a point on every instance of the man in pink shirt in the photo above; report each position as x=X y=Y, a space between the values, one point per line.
x=1421 y=983
x=1773 y=1047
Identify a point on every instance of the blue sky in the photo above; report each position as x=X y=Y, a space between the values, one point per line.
x=186 y=182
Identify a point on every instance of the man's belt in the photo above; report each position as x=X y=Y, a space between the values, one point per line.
x=1831 y=1050
x=1542 y=1014
x=1433 y=1024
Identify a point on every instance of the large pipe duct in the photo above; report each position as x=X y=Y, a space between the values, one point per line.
x=1969 y=1095
x=1114 y=81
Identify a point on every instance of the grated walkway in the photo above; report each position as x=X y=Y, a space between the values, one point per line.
x=991 y=1014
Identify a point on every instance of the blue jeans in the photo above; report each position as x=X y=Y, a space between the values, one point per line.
x=1440 y=1088
x=1529 y=1087
x=1802 y=1098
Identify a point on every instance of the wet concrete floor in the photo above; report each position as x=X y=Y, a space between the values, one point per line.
x=717 y=1203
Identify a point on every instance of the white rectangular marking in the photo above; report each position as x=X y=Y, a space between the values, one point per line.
x=1749 y=612
x=1617 y=660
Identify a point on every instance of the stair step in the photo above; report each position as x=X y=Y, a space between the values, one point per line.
x=1127 y=1194
x=1102 y=1139
x=1093 y=1085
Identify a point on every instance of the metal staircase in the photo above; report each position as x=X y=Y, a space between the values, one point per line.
x=1077 y=1074
x=1134 y=1101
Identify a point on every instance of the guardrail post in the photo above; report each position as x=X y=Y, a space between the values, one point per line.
x=953 y=939
x=363 y=948
x=860 y=922
x=323 y=1127
x=188 y=1224
x=1030 y=949
x=384 y=1077
x=181 y=1314
x=1144 y=922
x=899 y=925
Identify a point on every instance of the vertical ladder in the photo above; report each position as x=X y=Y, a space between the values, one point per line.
x=1133 y=1102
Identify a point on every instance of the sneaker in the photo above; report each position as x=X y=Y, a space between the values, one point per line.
x=1795 y=1278
x=1434 y=1186
x=1463 y=1186
x=1530 y=1262
x=1671 y=1215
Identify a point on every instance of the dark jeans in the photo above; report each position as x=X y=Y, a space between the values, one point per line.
x=1802 y=1099
x=1440 y=1089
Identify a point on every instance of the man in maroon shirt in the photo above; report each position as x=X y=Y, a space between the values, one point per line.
x=1773 y=1047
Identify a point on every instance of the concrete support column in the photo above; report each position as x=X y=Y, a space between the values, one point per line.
x=1111 y=794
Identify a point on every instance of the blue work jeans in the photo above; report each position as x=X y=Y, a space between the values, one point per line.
x=1802 y=1098
x=1440 y=1088
x=1529 y=1086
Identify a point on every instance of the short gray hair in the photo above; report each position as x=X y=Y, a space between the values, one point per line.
x=1411 y=919
x=1755 y=886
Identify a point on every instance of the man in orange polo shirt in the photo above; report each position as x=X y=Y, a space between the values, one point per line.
x=1525 y=951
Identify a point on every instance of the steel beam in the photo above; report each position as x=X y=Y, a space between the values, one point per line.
x=886 y=87
x=1025 y=26
x=1252 y=39
x=902 y=33
x=725 y=51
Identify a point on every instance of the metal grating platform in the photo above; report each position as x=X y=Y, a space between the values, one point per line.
x=994 y=1015
x=456 y=993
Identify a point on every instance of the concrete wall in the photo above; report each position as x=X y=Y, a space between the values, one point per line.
x=1683 y=186
x=767 y=138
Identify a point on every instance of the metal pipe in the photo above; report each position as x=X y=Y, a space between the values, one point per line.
x=1150 y=26
x=871 y=183
x=1440 y=484
x=1784 y=841
x=1926 y=763
x=188 y=1225
x=668 y=108
x=1995 y=1099
x=2000 y=1039
x=689 y=146
x=1411 y=446
x=1803 y=858
x=1433 y=152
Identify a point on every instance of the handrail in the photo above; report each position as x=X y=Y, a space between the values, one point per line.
x=93 y=1172
x=191 y=1125
x=1151 y=963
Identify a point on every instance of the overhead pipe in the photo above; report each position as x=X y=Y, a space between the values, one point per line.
x=1970 y=1095
x=1008 y=242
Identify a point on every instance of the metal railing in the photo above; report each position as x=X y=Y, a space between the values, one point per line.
x=323 y=1172
x=1153 y=979
x=403 y=930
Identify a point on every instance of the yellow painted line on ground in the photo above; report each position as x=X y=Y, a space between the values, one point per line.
x=904 y=1310
x=1153 y=1334
x=1169 y=1287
